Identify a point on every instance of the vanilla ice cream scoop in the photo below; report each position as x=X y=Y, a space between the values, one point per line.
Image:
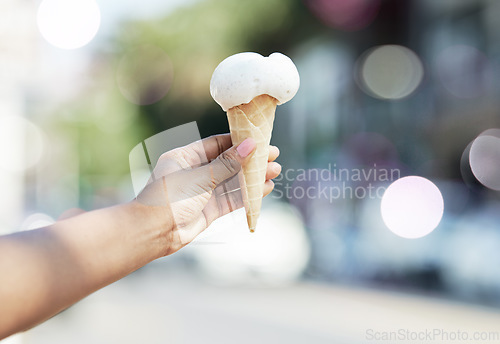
x=249 y=86
x=241 y=77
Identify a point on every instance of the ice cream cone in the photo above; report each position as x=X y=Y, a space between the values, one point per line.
x=249 y=86
x=254 y=119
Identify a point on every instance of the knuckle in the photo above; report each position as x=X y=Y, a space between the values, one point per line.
x=229 y=162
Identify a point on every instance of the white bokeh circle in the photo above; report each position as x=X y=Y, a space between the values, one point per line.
x=412 y=207
x=68 y=24
x=22 y=144
x=484 y=158
x=37 y=220
x=390 y=72
x=277 y=253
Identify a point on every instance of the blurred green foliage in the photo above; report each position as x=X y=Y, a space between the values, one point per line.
x=105 y=126
x=197 y=39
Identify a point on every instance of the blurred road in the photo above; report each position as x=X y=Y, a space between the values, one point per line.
x=161 y=305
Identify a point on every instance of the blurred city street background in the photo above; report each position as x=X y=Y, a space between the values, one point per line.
x=397 y=99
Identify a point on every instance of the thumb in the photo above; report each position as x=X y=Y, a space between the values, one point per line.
x=227 y=164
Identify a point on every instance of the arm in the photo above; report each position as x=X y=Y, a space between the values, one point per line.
x=46 y=270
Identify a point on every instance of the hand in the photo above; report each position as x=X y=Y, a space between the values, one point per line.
x=196 y=184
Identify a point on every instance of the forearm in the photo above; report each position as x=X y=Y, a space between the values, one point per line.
x=46 y=270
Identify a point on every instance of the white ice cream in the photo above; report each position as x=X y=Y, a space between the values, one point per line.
x=241 y=77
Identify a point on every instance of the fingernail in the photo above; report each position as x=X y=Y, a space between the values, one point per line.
x=246 y=147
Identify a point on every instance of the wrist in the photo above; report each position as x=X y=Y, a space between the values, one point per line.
x=155 y=221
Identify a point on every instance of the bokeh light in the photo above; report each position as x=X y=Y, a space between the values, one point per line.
x=389 y=72
x=18 y=338
x=350 y=15
x=464 y=71
x=468 y=176
x=277 y=253
x=144 y=75
x=68 y=24
x=412 y=207
x=484 y=158
x=37 y=220
x=22 y=144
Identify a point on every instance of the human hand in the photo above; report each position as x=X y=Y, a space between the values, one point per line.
x=193 y=185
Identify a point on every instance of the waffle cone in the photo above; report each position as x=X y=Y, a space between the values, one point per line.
x=255 y=120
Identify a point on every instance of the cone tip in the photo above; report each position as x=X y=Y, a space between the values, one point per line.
x=252 y=223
